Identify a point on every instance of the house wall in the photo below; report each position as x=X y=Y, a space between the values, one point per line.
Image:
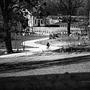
x=50 y=30
x=38 y=22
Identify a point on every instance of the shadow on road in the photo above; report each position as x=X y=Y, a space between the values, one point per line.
x=67 y=81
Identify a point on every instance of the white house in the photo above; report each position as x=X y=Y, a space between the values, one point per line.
x=38 y=25
x=62 y=29
x=38 y=22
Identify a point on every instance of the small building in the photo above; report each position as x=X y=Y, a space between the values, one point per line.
x=38 y=22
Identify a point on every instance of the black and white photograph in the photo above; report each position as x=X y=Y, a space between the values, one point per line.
x=44 y=44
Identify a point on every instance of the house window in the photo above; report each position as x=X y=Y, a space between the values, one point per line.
x=61 y=32
x=41 y=21
x=35 y=21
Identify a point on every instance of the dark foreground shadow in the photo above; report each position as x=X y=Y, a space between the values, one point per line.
x=67 y=81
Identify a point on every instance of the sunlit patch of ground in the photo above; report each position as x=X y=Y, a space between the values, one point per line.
x=16 y=43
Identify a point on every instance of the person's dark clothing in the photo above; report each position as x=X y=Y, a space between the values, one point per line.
x=48 y=45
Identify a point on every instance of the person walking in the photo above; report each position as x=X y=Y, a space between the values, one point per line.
x=48 y=45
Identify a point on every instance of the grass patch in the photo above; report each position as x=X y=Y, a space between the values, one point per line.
x=68 y=45
x=2 y=52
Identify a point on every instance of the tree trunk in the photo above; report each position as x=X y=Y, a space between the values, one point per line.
x=69 y=25
x=8 y=41
x=8 y=34
x=68 y=28
x=4 y=8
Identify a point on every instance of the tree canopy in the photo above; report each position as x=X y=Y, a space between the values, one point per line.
x=11 y=9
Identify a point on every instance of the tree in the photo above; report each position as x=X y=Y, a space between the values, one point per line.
x=7 y=16
x=4 y=7
x=11 y=9
x=69 y=8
